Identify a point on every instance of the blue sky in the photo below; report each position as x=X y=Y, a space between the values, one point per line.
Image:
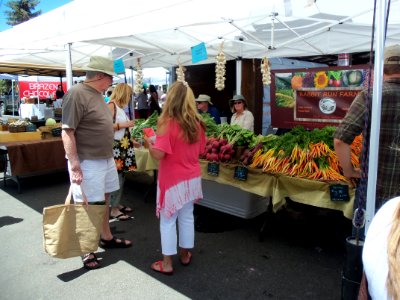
x=44 y=6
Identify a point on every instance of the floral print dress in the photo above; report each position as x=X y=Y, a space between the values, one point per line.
x=123 y=150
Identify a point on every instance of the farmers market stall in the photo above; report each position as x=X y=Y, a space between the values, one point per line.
x=242 y=172
x=249 y=198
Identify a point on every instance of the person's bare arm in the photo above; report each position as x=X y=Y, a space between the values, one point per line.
x=155 y=153
x=148 y=143
x=343 y=152
x=68 y=137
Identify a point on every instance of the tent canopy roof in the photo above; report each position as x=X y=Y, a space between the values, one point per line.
x=162 y=34
x=41 y=70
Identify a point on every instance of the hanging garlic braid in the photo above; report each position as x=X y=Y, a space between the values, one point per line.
x=393 y=279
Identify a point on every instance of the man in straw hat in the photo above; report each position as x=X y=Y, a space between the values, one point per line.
x=88 y=137
x=204 y=105
x=352 y=125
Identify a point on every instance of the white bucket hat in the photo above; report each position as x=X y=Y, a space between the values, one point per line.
x=204 y=98
x=101 y=64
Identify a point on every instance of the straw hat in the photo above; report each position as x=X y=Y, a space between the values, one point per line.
x=392 y=55
x=101 y=64
x=204 y=98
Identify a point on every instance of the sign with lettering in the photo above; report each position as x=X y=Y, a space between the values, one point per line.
x=213 y=169
x=339 y=192
x=40 y=89
x=323 y=105
x=240 y=173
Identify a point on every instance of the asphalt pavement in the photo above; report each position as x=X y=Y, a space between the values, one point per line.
x=299 y=255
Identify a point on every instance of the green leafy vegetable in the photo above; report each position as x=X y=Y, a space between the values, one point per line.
x=137 y=130
x=337 y=75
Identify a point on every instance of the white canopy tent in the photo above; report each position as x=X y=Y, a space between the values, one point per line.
x=161 y=33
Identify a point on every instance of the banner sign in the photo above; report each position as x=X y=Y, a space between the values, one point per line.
x=314 y=98
x=41 y=89
x=315 y=105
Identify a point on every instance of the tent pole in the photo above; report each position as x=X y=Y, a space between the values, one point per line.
x=376 y=111
x=239 y=76
x=68 y=66
x=12 y=96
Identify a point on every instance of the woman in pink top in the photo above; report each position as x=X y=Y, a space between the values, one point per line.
x=180 y=139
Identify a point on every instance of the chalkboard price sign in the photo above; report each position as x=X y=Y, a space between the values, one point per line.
x=339 y=192
x=213 y=169
x=240 y=173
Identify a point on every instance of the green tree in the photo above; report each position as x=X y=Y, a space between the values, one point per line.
x=5 y=86
x=21 y=11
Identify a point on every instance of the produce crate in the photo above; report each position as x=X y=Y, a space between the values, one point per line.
x=58 y=112
x=232 y=200
x=16 y=128
x=31 y=128
x=47 y=131
x=56 y=132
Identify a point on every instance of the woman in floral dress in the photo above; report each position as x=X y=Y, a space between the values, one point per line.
x=123 y=146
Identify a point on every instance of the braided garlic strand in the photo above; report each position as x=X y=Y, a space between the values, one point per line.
x=220 y=70
x=180 y=73
x=138 y=88
x=266 y=71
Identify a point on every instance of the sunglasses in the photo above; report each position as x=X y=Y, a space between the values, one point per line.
x=237 y=102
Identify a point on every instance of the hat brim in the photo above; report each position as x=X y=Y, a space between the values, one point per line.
x=233 y=100
x=101 y=71
x=201 y=100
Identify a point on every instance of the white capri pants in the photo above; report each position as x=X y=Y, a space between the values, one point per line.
x=185 y=228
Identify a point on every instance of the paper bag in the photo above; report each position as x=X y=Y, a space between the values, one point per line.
x=71 y=230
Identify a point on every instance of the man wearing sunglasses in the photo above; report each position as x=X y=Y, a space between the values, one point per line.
x=204 y=105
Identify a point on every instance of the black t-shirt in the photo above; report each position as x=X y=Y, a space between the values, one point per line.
x=59 y=94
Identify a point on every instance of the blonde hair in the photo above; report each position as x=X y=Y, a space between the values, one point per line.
x=122 y=94
x=393 y=252
x=180 y=106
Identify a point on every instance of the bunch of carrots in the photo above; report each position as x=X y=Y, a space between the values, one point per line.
x=316 y=161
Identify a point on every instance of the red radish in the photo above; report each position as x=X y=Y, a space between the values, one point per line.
x=215 y=144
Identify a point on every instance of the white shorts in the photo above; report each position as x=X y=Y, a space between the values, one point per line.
x=100 y=176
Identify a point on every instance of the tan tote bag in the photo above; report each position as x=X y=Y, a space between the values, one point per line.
x=71 y=230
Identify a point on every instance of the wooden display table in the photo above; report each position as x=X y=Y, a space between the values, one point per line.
x=261 y=188
x=7 y=137
x=30 y=158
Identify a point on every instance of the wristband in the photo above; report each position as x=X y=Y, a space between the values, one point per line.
x=117 y=126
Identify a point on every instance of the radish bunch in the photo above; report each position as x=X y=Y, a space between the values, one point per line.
x=218 y=150
x=247 y=157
